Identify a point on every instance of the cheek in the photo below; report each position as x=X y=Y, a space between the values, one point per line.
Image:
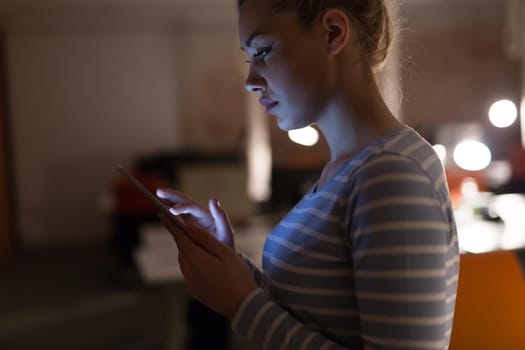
x=298 y=79
x=307 y=89
x=308 y=74
x=293 y=82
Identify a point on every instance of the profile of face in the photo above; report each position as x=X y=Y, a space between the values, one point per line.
x=289 y=65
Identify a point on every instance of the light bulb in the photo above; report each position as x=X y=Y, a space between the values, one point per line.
x=503 y=113
x=472 y=155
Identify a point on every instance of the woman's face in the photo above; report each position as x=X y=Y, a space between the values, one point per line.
x=288 y=64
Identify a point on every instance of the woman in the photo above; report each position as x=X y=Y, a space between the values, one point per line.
x=368 y=259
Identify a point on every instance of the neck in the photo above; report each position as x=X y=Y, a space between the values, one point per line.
x=356 y=116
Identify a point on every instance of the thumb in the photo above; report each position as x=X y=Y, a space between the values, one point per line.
x=222 y=223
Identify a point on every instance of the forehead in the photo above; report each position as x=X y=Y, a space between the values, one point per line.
x=257 y=17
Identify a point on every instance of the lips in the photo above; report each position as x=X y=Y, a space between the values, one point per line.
x=269 y=104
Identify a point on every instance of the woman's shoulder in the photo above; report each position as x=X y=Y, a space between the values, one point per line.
x=402 y=149
x=402 y=155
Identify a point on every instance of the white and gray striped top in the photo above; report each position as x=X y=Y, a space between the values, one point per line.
x=368 y=261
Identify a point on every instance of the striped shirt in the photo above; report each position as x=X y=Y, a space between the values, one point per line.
x=368 y=261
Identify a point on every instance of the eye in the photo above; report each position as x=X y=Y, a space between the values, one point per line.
x=261 y=54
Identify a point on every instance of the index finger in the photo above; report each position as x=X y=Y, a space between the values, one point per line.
x=182 y=204
x=172 y=195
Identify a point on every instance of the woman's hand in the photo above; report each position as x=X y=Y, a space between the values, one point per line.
x=213 y=219
x=213 y=272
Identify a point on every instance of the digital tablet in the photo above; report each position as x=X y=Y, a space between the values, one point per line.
x=152 y=198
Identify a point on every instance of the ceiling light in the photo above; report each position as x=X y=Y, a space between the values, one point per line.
x=503 y=113
x=472 y=155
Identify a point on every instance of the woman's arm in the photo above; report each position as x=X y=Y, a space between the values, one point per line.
x=267 y=324
x=405 y=254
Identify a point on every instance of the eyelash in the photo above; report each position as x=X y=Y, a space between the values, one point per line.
x=261 y=54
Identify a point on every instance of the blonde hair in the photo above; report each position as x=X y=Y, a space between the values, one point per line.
x=370 y=18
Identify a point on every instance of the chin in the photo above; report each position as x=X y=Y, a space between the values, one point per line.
x=287 y=124
x=284 y=126
x=289 y=127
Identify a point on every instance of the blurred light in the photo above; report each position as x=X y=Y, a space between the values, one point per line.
x=441 y=151
x=259 y=153
x=503 y=113
x=498 y=173
x=476 y=236
x=472 y=155
x=522 y=109
x=469 y=187
x=306 y=136
x=510 y=208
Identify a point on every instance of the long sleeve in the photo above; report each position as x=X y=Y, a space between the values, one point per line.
x=405 y=256
x=267 y=324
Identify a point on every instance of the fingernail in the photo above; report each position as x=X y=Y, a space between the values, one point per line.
x=159 y=192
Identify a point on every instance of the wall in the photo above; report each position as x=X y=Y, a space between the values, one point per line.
x=454 y=62
x=521 y=39
x=5 y=220
x=80 y=103
x=5 y=194
x=212 y=103
x=86 y=96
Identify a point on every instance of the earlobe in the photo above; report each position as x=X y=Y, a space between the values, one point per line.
x=337 y=26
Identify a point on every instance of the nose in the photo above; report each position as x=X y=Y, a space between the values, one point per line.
x=254 y=81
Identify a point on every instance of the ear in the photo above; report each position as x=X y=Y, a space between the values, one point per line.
x=336 y=24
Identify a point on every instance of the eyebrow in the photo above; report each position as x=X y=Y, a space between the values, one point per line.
x=250 y=39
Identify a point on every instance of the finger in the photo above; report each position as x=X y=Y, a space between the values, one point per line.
x=189 y=208
x=207 y=241
x=222 y=222
x=171 y=195
x=179 y=203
